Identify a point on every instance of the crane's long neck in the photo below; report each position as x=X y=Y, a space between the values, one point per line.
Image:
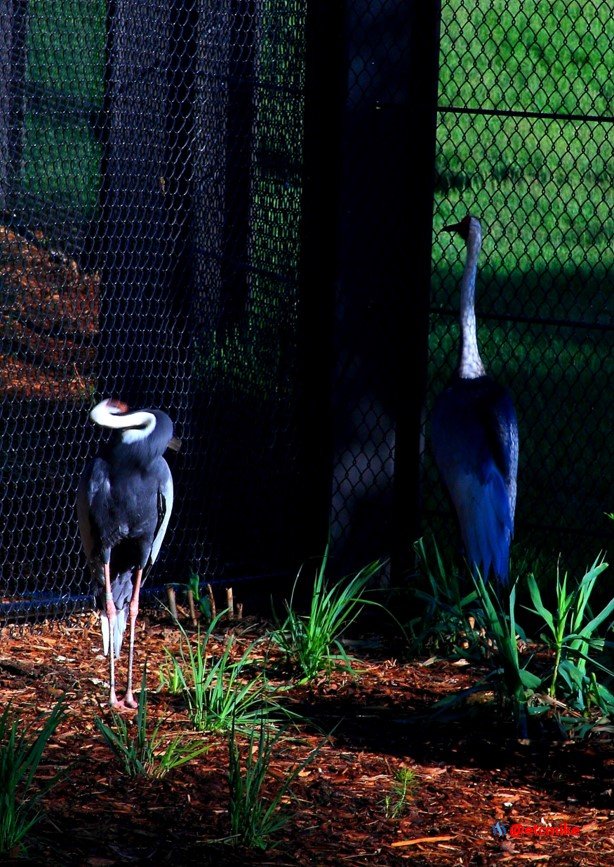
x=470 y=365
x=134 y=426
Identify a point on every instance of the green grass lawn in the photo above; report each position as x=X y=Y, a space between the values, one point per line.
x=65 y=57
x=542 y=187
x=61 y=161
x=529 y=55
x=65 y=46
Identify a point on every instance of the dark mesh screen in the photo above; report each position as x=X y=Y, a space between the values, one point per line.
x=207 y=207
x=152 y=188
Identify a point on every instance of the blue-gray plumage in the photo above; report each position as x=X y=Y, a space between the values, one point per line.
x=124 y=504
x=475 y=438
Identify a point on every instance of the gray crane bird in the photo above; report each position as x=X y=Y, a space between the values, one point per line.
x=124 y=504
x=475 y=437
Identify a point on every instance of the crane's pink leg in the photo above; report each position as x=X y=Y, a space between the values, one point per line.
x=111 y=614
x=129 y=700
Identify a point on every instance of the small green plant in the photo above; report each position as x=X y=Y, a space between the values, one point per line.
x=446 y=618
x=498 y=631
x=170 y=675
x=142 y=753
x=201 y=600
x=571 y=634
x=516 y=681
x=254 y=819
x=312 y=641
x=20 y=757
x=404 y=785
x=568 y=689
x=219 y=692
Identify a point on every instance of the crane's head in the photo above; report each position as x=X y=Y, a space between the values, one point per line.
x=111 y=413
x=135 y=426
x=464 y=227
x=116 y=407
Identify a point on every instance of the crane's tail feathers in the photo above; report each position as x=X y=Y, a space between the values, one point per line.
x=119 y=627
x=487 y=526
x=122 y=593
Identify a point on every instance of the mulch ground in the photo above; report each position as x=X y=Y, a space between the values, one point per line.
x=474 y=777
x=48 y=322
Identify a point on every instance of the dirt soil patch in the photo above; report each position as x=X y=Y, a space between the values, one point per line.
x=474 y=778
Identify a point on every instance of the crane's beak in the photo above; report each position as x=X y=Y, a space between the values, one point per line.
x=464 y=227
x=174 y=444
x=455 y=227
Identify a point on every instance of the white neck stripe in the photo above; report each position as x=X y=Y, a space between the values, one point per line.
x=135 y=425
x=471 y=366
x=146 y=422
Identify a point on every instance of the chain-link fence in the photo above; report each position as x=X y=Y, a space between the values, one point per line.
x=184 y=226
x=524 y=142
x=153 y=162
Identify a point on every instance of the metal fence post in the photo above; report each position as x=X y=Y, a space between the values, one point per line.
x=324 y=93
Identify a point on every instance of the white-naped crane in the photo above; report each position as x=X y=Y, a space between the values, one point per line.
x=475 y=437
x=124 y=504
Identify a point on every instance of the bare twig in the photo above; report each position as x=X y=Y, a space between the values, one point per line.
x=211 y=601
x=192 y=607
x=172 y=601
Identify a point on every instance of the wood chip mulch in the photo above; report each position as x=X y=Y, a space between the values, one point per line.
x=49 y=320
x=474 y=778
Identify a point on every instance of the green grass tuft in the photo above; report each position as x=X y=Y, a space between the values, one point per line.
x=312 y=642
x=145 y=753
x=254 y=817
x=20 y=757
x=220 y=692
